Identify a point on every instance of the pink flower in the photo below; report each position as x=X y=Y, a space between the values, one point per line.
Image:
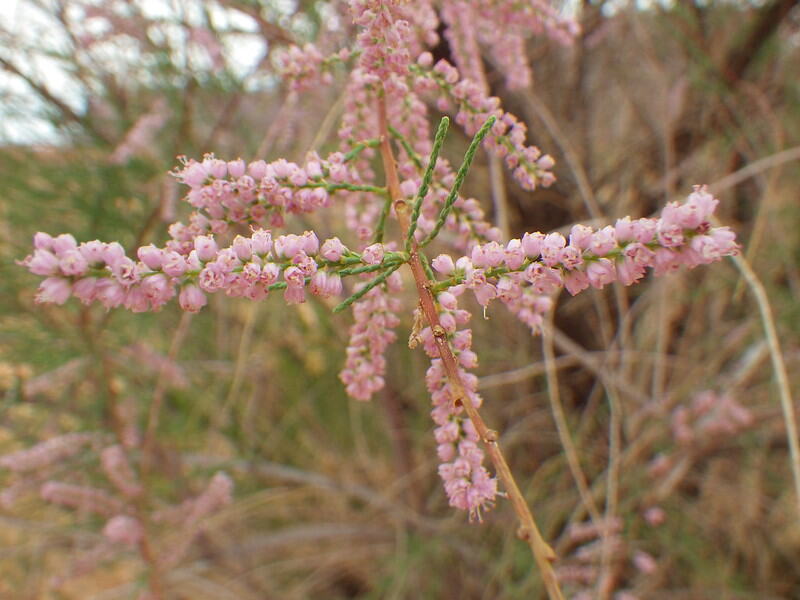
x=655 y=516
x=151 y=256
x=409 y=187
x=42 y=262
x=54 y=290
x=93 y=252
x=571 y=257
x=324 y=284
x=643 y=230
x=628 y=272
x=288 y=246
x=215 y=167
x=484 y=293
x=373 y=255
x=600 y=272
x=333 y=286
x=294 y=276
x=174 y=264
x=332 y=249
x=514 y=254
x=700 y=205
x=580 y=236
x=73 y=263
x=193 y=174
x=86 y=289
x=113 y=253
x=713 y=247
x=575 y=281
x=261 y=242
x=243 y=247
x=443 y=264
x=603 y=241
x=212 y=278
x=64 y=242
x=543 y=280
x=488 y=255
x=551 y=248
x=123 y=529
x=623 y=230
x=257 y=169
x=306 y=264
x=109 y=293
x=447 y=300
x=310 y=243
x=269 y=273
x=295 y=290
x=645 y=562
x=206 y=248
x=666 y=261
x=236 y=168
x=532 y=244
x=158 y=289
x=191 y=298
x=42 y=241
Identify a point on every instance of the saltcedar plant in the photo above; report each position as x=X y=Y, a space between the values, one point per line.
x=235 y=241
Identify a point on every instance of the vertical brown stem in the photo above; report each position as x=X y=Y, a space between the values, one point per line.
x=543 y=554
x=149 y=557
x=140 y=504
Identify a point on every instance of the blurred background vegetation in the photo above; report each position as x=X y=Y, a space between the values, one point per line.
x=337 y=499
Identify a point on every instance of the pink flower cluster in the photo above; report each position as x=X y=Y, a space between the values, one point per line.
x=581 y=568
x=46 y=453
x=682 y=236
x=393 y=33
x=507 y=139
x=124 y=530
x=466 y=481
x=709 y=416
x=375 y=318
x=260 y=193
x=249 y=267
x=532 y=17
x=82 y=498
x=384 y=39
x=501 y=28
x=307 y=68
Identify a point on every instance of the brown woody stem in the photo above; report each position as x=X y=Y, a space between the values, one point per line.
x=542 y=552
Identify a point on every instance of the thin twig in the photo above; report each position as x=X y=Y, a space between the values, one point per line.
x=570 y=155
x=563 y=428
x=754 y=168
x=499 y=196
x=242 y=355
x=778 y=366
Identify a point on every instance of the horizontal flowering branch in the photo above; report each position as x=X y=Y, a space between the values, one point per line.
x=681 y=236
x=250 y=267
x=261 y=194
